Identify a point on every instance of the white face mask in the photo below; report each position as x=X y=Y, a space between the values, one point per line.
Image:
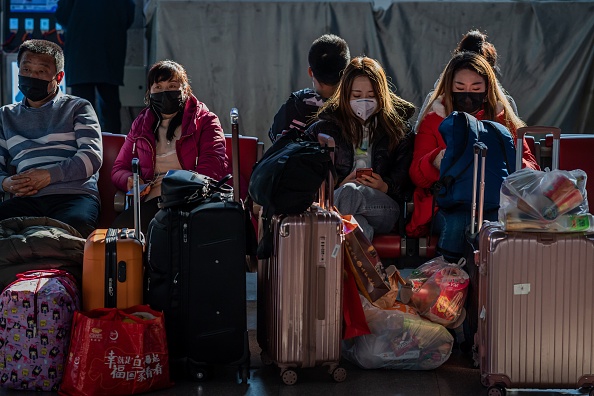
x=363 y=108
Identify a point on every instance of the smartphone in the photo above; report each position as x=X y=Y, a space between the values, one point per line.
x=140 y=189
x=364 y=171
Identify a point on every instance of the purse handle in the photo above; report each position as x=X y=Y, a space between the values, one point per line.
x=211 y=189
x=221 y=187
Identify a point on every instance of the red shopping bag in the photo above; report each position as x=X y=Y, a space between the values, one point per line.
x=353 y=315
x=116 y=352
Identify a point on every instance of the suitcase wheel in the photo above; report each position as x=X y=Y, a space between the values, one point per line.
x=339 y=374
x=289 y=377
x=197 y=372
x=496 y=390
x=244 y=373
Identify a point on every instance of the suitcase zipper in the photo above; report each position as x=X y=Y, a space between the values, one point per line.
x=110 y=286
x=35 y=307
x=176 y=287
x=181 y=288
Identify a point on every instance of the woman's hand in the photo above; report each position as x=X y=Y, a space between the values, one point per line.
x=373 y=181
x=130 y=185
x=438 y=158
x=351 y=178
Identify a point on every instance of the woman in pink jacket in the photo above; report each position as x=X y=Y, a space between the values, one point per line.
x=174 y=131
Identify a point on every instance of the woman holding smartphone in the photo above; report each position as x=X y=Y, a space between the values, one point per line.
x=174 y=131
x=374 y=144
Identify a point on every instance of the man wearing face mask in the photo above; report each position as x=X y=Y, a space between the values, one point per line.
x=50 y=145
x=174 y=131
x=369 y=124
x=468 y=84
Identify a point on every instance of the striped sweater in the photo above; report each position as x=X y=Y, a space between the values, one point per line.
x=63 y=136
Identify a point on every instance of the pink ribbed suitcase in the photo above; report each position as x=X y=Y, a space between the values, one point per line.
x=536 y=316
x=302 y=288
x=536 y=308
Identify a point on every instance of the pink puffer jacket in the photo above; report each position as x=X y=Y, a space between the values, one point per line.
x=200 y=148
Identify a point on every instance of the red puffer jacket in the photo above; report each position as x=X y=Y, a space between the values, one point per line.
x=428 y=144
x=201 y=146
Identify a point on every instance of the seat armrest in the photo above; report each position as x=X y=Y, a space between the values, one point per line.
x=119 y=201
x=260 y=150
x=256 y=208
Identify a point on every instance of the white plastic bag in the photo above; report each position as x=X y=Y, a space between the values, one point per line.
x=398 y=340
x=551 y=201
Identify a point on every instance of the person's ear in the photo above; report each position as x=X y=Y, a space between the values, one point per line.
x=59 y=77
x=309 y=71
x=185 y=93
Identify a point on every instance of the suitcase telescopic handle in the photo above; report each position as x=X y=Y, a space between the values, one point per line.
x=136 y=198
x=540 y=130
x=327 y=188
x=481 y=202
x=235 y=152
x=478 y=187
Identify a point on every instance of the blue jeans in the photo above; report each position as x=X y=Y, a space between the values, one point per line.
x=80 y=211
x=452 y=225
x=374 y=210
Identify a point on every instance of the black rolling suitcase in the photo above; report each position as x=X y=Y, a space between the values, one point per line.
x=195 y=273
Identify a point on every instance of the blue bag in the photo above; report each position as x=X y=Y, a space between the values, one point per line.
x=460 y=131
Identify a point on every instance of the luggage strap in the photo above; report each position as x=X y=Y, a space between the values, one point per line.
x=111 y=260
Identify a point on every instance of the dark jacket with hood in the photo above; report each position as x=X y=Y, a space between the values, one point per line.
x=298 y=112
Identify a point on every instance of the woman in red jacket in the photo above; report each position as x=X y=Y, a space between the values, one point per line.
x=467 y=84
x=174 y=131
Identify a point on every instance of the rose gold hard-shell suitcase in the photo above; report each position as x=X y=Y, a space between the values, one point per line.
x=302 y=288
x=536 y=309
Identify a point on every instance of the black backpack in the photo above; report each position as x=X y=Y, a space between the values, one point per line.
x=287 y=178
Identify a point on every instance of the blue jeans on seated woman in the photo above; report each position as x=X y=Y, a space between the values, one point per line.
x=452 y=225
x=374 y=210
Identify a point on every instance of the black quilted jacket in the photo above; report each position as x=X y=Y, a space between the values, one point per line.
x=38 y=243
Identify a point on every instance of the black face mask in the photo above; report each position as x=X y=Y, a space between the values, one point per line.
x=468 y=102
x=166 y=102
x=34 y=89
